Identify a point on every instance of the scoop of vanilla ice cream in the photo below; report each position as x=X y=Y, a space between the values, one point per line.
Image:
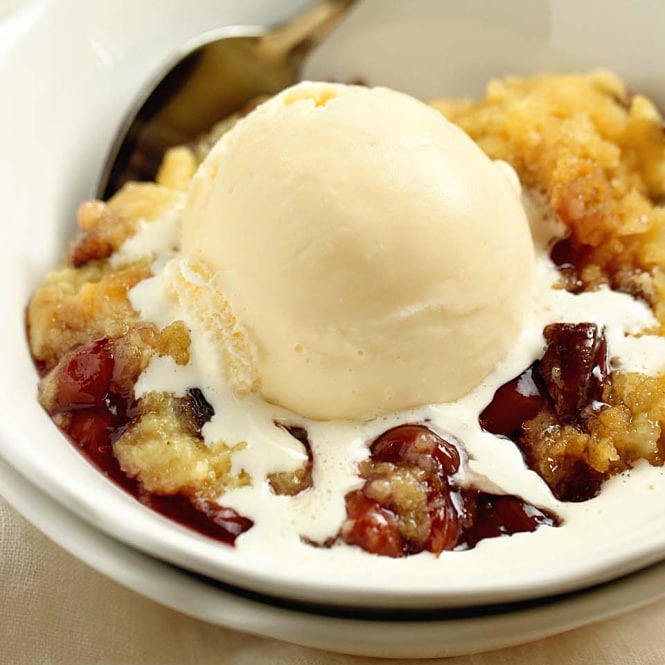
x=370 y=252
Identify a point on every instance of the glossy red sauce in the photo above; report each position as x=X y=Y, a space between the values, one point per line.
x=513 y=404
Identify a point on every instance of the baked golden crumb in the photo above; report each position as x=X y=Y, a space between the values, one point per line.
x=597 y=154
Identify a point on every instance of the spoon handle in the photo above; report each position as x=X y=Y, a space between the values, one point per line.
x=208 y=82
x=294 y=40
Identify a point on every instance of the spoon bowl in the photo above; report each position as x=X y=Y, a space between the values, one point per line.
x=208 y=79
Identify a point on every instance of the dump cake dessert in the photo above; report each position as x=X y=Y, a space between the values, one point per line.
x=352 y=321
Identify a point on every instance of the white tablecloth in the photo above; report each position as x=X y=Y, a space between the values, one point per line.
x=55 y=610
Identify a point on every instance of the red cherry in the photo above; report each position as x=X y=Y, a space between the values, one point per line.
x=574 y=368
x=513 y=404
x=372 y=527
x=417 y=445
x=83 y=376
x=445 y=529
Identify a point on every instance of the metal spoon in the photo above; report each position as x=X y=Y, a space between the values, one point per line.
x=210 y=78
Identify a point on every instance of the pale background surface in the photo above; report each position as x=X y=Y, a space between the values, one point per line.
x=55 y=610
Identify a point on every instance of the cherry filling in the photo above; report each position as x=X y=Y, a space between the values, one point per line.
x=92 y=402
x=574 y=369
x=570 y=257
x=563 y=389
x=513 y=404
x=411 y=500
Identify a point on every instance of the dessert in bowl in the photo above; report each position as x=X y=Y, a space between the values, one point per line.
x=466 y=447
x=347 y=262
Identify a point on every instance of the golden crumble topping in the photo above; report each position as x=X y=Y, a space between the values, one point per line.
x=598 y=156
x=168 y=457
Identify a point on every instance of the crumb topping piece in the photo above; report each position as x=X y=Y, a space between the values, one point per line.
x=412 y=500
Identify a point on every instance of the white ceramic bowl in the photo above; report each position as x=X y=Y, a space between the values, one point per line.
x=68 y=71
x=447 y=634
